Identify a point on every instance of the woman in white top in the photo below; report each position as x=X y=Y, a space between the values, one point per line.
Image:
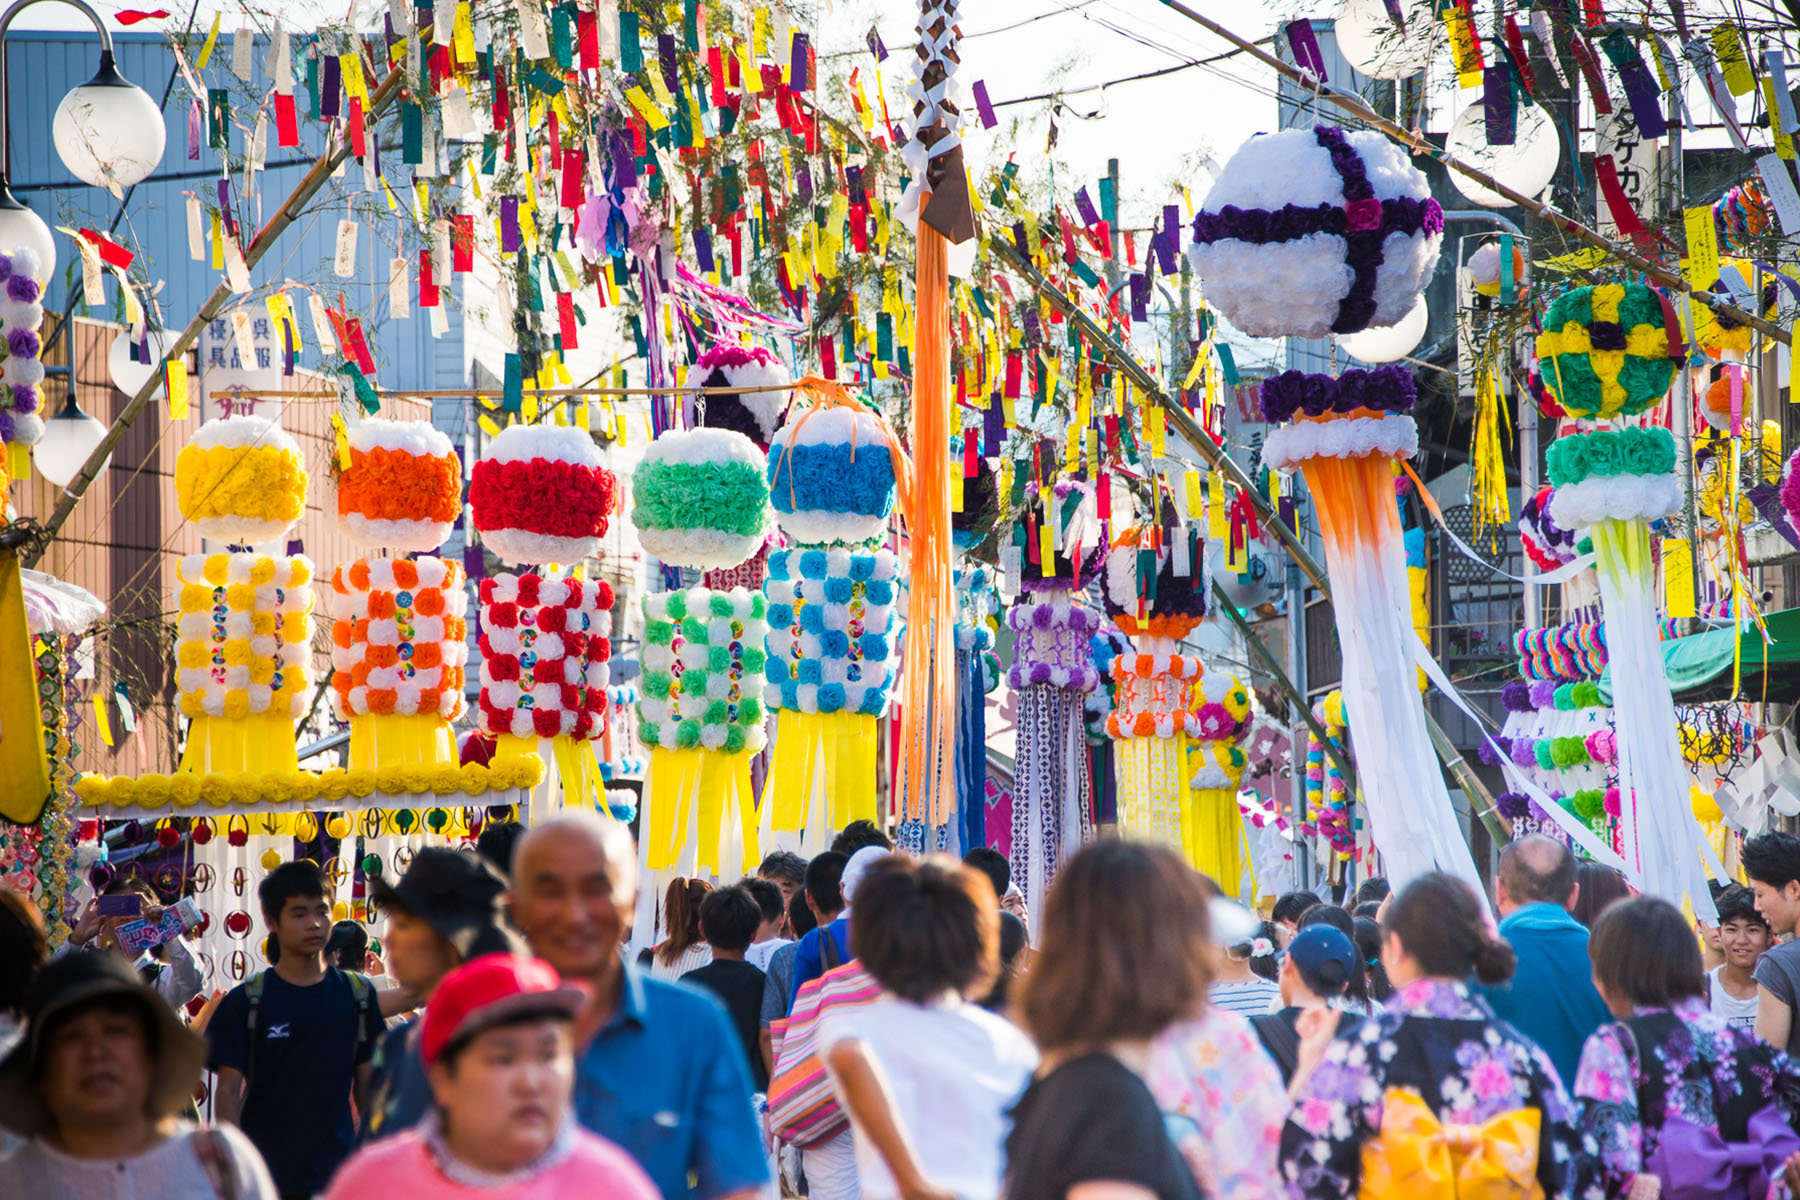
x=1743 y=936
x=925 y=1075
x=95 y=1084
x=683 y=949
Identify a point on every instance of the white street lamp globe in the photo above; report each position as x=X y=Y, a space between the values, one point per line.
x=1526 y=166
x=21 y=227
x=129 y=376
x=108 y=131
x=69 y=438
x=1388 y=343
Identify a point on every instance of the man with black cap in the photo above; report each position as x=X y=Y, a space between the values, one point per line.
x=446 y=910
x=96 y=1084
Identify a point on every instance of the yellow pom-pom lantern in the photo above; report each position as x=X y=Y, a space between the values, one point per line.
x=241 y=480
x=1605 y=350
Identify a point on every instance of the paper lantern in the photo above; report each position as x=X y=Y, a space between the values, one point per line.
x=542 y=494
x=21 y=315
x=244 y=636
x=1314 y=231
x=1389 y=343
x=1606 y=350
x=398 y=643
x=1526 y=166
x=700 y=498
x=831 y=476
x=403 y=487
x=1371 y=43
x=241 y=480
x=544 y=655
x=754 y=409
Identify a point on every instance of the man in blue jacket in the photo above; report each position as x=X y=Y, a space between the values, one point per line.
x=1551 y=998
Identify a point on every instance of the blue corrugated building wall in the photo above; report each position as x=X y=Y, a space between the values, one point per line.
x=43 y=66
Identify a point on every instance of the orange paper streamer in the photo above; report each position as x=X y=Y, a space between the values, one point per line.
x=926 y=786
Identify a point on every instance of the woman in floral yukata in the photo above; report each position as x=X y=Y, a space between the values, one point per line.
x=1678 y=1102
x=1435 y=1096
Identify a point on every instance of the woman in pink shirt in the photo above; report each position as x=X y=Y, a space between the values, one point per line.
x=497 y=1050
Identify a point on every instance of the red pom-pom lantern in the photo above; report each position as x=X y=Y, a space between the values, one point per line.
x=542 y=494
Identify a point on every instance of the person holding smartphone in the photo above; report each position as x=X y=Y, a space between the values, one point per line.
x=170 y=970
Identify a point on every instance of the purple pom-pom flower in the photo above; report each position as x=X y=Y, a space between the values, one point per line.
x=23 y=289
x=22 y=343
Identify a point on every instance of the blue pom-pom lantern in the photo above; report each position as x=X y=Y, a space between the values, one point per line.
x=831 y=477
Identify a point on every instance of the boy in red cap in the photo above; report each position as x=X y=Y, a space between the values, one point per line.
x=498 y=1054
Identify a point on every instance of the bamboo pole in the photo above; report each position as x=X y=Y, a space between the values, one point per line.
x=260 y=245
x=1359 y=108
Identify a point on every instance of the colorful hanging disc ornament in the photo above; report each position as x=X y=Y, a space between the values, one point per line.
x=1309 y=232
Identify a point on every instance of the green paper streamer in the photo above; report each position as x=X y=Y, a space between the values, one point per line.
x=218 y=119
x=412 y=134
x=513 y=388
x=631 y=50
x=562 y=36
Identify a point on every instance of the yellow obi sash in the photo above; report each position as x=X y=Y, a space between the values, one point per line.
x=1416 y=1157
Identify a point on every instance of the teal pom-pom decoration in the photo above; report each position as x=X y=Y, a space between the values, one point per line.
x=678 y=605
x=750 y=710
x=721 y=604
x=759 y=606
x=734 y=739
x=1545 y=753
x=649 y=733
x=694 y=629
x=718 y=659
x=754 y=659
x=659 y=633
x=656 y=683
x=687 y=734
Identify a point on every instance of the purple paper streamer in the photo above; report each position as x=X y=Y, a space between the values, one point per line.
x=993 y=427
x=665 y=55
x=876 y=47
x=331 y=82
x=509 y=224
x=1084 y=204
x=798 y=79
x=1140 y=296
x=473 y=565
x=196 y=130
x=1497 y=105
x=983 y=106
x=703 y=255
x=1305 y=45
x=1767 y=499
x=296 y=546
x=1645 y=99
x=803 y=184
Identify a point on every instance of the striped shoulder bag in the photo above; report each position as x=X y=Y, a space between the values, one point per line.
x=803 y=1106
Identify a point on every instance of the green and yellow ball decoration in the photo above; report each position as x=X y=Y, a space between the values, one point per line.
x=1604 y=350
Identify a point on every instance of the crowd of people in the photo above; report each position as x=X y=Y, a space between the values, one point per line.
x=870 y=1024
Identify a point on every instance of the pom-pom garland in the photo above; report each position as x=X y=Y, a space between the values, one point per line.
x=1341 y=437
x=831 y=476
x=1381 y=390
x=1343 y=220
x=1548 y=544
x=1054 y=644
x=761 y=380
x=22 y=373
x=544 y=653
x=241 y=480
x=703 y=661
x=1790 y=489
x=1605 y=350
x=1153 y=602
x=542 y=494
x=403 y=487
x=700 y=499
x=1572 y=652
x=1155 y=696
x=1327 y=798
x=398 y=644
x=244 y=636
x=831 y=629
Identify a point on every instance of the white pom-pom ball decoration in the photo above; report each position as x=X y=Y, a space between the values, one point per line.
x=1309 y=232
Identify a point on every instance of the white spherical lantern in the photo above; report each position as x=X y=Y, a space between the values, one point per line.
x=1370 y=41
x=21 y=228
x=108 y=131
x=1526 y=166
x=128 y=376
x=69 y=440
x=1388 y=343
x=1310 y=232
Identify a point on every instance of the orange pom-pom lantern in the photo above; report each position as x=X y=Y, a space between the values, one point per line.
x=403 y=487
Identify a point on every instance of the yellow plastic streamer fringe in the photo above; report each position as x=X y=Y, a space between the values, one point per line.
x=260 y=743
x=23 y=763
x=1487 y=480
x=706 y=792
x=827 y=757
x=395 y=739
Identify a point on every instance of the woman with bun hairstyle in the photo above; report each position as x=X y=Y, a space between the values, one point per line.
x=1435 y=1095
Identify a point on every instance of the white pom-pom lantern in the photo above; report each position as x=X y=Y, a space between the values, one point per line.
x=1370 y=41
x=1309 y=232
x=542 y=494
x=1526 y=166
x=1484 y=268
x=403 y=487
x=700 y=498
x=1390 y=343
x=762 y=380
x=241 y=480
x=831 y=476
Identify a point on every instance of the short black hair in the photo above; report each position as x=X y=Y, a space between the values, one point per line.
x=922 y=927
x=823 y=875
x=495 y=843
x=858 y=834
x=349 y=941
x=1772 y=859
x=1291 y=905
x=767 y=895
x=993 y=864
x=1374 y=888
x=134 y=884
x=729 y=917
x=303 y=878
x=801 y=920
x=1738 y=903
x=1332 y=915
x=1369 y=909
x=1644 y=950
x=24 y=948
x=783 y=864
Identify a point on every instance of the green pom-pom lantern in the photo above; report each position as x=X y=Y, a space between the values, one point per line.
x=1604 y=350
x=700 y=498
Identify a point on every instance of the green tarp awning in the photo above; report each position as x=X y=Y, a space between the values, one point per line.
x=1700 y=666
